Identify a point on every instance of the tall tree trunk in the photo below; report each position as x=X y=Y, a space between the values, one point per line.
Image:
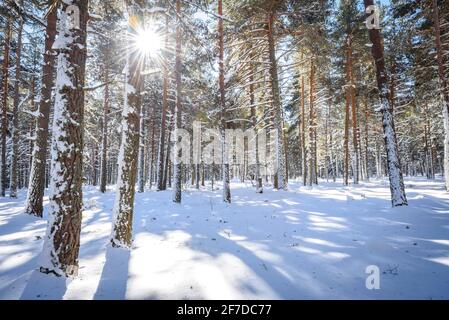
x=355 y=136
x=62 y=240
x=31 y=126
x=129 y=148
x=104 y=140
x=5 y=75
x=312 y=146
x=326 y=145
x=160 y=155
x=279 y=145
x=444 y=89
x=153 y=129
x=37 y=178
x=252 y=101
x=303 y=129
x=15 y=132
x=141 y=161
x=398 y=197
x=366 y=141
x=178 y=165
x=166 y=175
x=94 y=165
x=347 y=110
x=223 y=124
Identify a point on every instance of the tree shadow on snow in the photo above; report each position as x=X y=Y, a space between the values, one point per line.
x=114 y=276
x=44 y=286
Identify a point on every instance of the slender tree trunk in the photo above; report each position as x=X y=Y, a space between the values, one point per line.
x=202 y=173
x=129 y=148
x=37 y=178
x=160 y=157
x=347 y=110
x=398 y=197
x=303 y=130
x=366 y=141
x=5 y=75
x=280 y=158
x=178 y=165
x=444 y=89
x=104 y=142
x=31 y=126
x=94 y=165
x=326 y=135
x=141 y=161
x=355 y=136
x=62 y=240
x=252 y=101
x=15 y=132
x=312 y=164
x=153 y=129
x=223 y=125
x=167 y=173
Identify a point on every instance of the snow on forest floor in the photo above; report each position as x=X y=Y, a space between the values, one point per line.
x=300 y=244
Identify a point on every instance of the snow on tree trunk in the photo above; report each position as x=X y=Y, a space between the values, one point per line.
x=252 y=101
x=15 y=132
x=279 y=147
x=398 y=197
x=161 y=147
x=303 y=129
x=141 y=163
x=366 y=141
x=223 y=123
x=129 y=147
x=36 y=184
x=5 y=74
x=177 y=165
x=312 y=127
x=444 y=90
x=62 y=240
x=104 y=135
x=352 y=93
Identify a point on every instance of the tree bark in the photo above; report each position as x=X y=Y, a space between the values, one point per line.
x=104 y=142
x=15 y=132
x=252 y=101
x=5 y=74
x=223 y=124
x=280 y=158
x=398 y=197
x=366 y=141
x=62 y=240
x=312 y=147
x=37 y=178
x=303 y=129
x=352 y=92
x=443 y=88
x=347 y=110
x=177 y=165
x=161 y=148
x=129 y=148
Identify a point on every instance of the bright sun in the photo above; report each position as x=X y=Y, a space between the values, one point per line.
x=148 y=42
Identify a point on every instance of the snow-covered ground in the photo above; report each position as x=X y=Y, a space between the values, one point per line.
x=301 y=244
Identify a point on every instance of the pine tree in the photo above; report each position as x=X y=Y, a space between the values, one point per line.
x=62 y=240
x=15 y=129
x=223 y=124
x=398 y=197
x=36 y=183
x=4 y=100
x=129 y=147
